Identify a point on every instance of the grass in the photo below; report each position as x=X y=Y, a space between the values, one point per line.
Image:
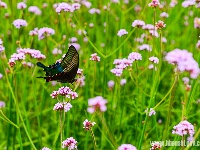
x=28 y=120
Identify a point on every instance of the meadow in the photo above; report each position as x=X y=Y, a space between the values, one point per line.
x=137 y=86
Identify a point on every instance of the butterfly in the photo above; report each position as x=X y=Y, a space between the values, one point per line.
x=64 y=71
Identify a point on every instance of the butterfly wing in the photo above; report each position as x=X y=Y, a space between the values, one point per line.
x=66 y=70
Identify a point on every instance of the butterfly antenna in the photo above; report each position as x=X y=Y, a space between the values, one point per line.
x=41 y=65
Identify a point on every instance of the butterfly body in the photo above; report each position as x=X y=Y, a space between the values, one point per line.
x=64 y=71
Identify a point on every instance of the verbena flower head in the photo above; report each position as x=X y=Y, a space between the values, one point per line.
x=33 y=32
x=111 y=84
x=183 y=128
x=1 y=76
x=56 y=51
x=164 y=15
x=97 y=103
x=2 y=48
x=188 y=3
x=71 y=143
x=3 y=4
x=154 y=33
x=160 y=24
x=66 y=106
x=155 y=146
x=153 y=59
x=32 y=52
x=133 y=56
x=154 y=3
x=197 y=45
x=173 y=3
x=45 y=32
x=127 y=147
x=2 y=104
x=148 y=27
x=73 y=39
x=122 y=32
x=21 y=5
x=150 y=112
x=19 y=23
x=138 y=23
x=64 y=91
x=123 y=82
x=35 y=10
x=184 y=61
x=196 y=22
x=88 y=124
x=64 y=7
x=95 y=57
x=145 y=47
x=117 y=71
x=94 y=11
x=186 y=80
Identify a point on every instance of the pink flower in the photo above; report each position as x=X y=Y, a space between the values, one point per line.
x=81 y=80
x=183 y=128
x=19 y=23
x=184 y=62
x=137 y=8
x=154 y=3
x=127 y=147
x=95 y=57
x=21 y=5
x=88 y=124
x=86 y=4
x=2 y=48
x=64 y=91
x=56 y=51
x=123 y=82
x=173 y=3
x=32 y=52
x=3 y=4
x=2 y=104
x=155 y=146
x=1 y=76
x=34 y=32
x=76 y=6
x=148 y=27
x=164 y=15
x=154 y=33
x=150 y=112
x=73 y=39
x=138 y=23
x=153 y=59
x=111 y=83
x=45 y=32
x=66 y=106
x=70 y=143
x=122 y=32
x=197 y=45
x=46 y=148
x=134 y=56
x=94 y=10
x=188 y=3
x=76 y=45
x=145 y=47
x=64 y=7
x=196 y=22
x=160 y=25
x=97 y=103
x=35 y=10
x=186 y=80
x=117 y=72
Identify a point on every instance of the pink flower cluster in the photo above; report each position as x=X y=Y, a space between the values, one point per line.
x=19 y=23
x=66 y=7
x=32 y=52
x=95 y=57
x=188 y=3
x=35 y=10
x=160 y=24
x=88 y=124
x=94 y=10
x=184 y=61
x=183 y=128
x=121 y=64
x=45 y=32
x=155 y=146
x=2 y=48
x=70 y=143
x=66 y=106
x=122 y=32
x=196 y=22
x=97 y=103
x=154 y=3
x=64 y=91
x=127 y=147
x=3 y=5
x=21 y=5
x=150 y=112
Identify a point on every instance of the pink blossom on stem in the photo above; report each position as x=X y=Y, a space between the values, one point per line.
x=71 y=143
x=95 y=57
x=126 y=147
x=88 y=124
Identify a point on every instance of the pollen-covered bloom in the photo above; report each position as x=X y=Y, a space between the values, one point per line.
x=88 y=124
x=127 y=147
x=196 y=22
x=64 y=91
x=97 y=103
x=153 y=59
x=145 y=47
x=21 y=5
x=122 y=32
x=160 y=24
x=2 y=104
x=154 y=3
x=95 y=57
x=45 y=32
x=66 y=106
x=155 y=146
x=184 y=61
x=19 y=23
x=35 y=10
x=184 y=128
x=150 y=112
x=71 y=143
x=138 y=23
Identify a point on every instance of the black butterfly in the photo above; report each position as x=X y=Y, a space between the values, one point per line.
x=64 y=71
